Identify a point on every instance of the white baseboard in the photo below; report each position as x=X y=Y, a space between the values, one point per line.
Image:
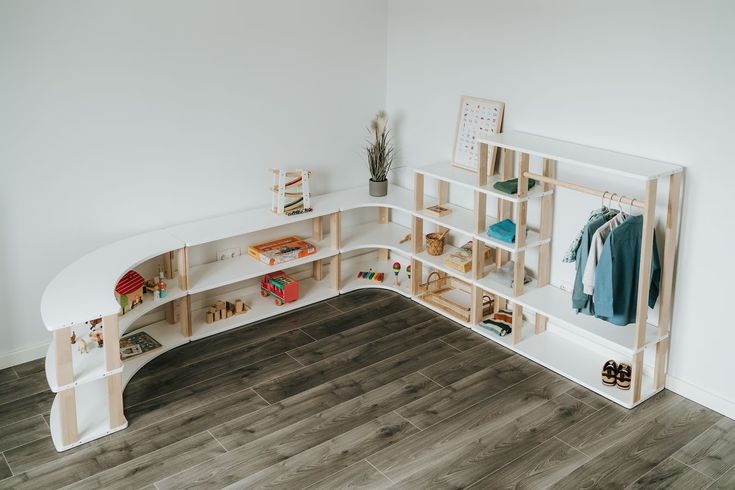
x=23 y=355
x=703 y=397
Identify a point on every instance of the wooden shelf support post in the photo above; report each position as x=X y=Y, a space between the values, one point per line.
x=383 y=219
x=418 y=191
x=185 y=323
x=169 y=258
x=111 y=339
x=68 y=416
x=115 y=415
x=544 y=254
x=667 y=278
x=317 y=234
x=504 y=207
x=335 y=267
x=182 y=259
x=644 y=283
x=478 y=266
x=416 y=276
x=65 y=376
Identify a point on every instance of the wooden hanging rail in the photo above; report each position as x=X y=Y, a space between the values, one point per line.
x=587 y=190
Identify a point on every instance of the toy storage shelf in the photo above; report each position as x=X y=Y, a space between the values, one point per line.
x=388 y=236
x=92 y=422
x=172 y=293
x=310 y=291
x=87 y=367
x=353 y=265
x=223 y=272
x=454 y=175
x=572 y=359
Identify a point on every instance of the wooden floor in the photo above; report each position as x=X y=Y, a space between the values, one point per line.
x=365 y=390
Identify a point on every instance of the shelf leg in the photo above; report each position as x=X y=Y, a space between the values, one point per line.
x=168 y=265
x=504 y=207
x=480 y=212
x=417 y=235
x=644 y=282
x=418 y=191
x=317 y=234
x=185 y=322
x=517 y=334
x=667 y=277
x=476 y=311
x=519 y=266
x=111 y=342
x=62 y=351
x=416 y=276
x=544 y=254
x=335 y=264
x=182 y=259
x=116 y=418
x=383 y=218
x=335 y=270
x=478 y=260
x=482 y=163
x=442 y=195
x=68 y=416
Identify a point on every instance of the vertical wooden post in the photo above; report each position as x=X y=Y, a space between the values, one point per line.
x=480 y=212
x=168 y=265
x=504 y=207
x=68 y=416
x=335 y=267
x=519 y=266
x=517 y=334
x=317 y=234
x=442 y=195
x=417 y=235
x=644 y=282
x=482 y=164
x=62 y=353
x=416 y=276
x=115 y=415
x=418 y=191
x=383 y=218
x=111 y=339
x=476 y=306
x=185 y=319
x=478 y=259
x=544 y=254
x=182 y=259
x=667 y=278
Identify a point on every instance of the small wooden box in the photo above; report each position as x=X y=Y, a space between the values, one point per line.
x=437 y=210
x=461 y=259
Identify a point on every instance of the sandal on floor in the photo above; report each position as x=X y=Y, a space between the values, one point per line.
x=610 y=373
x=624 y=374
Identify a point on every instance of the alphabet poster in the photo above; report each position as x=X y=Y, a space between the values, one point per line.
x=477 y=117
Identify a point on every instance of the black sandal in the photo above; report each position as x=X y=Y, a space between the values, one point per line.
x=624 y=376
x=610 y=373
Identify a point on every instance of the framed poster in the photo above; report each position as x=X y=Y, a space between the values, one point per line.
x=476 y=117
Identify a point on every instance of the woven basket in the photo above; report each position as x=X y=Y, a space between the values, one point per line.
x=434 y=244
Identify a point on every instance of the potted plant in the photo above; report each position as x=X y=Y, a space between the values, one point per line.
x=379 y=155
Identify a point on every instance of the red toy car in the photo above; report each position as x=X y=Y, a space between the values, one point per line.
x=281 y=286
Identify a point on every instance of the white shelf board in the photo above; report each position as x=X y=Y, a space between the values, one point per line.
x=87 y=367
x=461 y=219
x=167 y=334
x=437 y=262
x=375 y=235
x=358 y=197
x=172 y=294
x=571 y=360
x=587 y=156
x=532 y=240
x=223 y=272
x=499 y=281
x=310 y=291
x=84 y=290
x=556 y=304
x=350 y=267
x=92 y=418
x=466 y=178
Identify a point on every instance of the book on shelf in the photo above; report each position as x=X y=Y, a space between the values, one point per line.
x=136 y=344
x=281 y=250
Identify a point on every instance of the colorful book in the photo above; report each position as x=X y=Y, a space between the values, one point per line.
x=281 y=250
x=137 y=344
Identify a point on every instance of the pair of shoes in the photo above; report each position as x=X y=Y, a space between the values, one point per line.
x=617 y=374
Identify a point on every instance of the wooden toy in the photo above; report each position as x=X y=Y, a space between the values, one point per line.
x=406 y=239
x=408 y=271
x=95 y=334
x=226 y=309
x=83 y=349
x=461 y=258
x=281 y=286
x=396 y=271
x=437 y=210
x=371 y=276
x=281 y=250
x=437 y=291
x=73 y=338
x=291 y=191
x=129 y=291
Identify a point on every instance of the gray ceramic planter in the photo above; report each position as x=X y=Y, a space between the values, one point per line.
x=378 y=189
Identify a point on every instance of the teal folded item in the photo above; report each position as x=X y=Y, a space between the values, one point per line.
x=510 y=186
x=504 y=230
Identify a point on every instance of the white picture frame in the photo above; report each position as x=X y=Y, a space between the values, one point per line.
x=476 y=117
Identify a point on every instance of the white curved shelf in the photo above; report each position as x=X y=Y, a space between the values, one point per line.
x=167 y=334
x=149 y=304
x=350 y=268
x=468 y=179
x=87 y=367
x=84 y=289
x=388 y=236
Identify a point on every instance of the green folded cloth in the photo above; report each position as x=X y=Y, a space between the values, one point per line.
x=510 y=186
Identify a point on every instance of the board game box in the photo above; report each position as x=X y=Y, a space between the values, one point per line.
x=281 y=250
x=137 y=344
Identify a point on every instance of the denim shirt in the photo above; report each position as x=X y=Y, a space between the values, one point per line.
x=580 y=301
x=616 y=280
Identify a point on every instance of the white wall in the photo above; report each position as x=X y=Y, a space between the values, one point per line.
x=648 y=78
x=121 y=117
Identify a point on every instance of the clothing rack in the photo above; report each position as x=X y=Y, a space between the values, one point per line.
x=587 y=190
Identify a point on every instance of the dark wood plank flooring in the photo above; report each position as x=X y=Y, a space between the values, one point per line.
x=368 y=390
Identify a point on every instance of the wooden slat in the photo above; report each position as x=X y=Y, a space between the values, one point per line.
x=517 y=333
x=317 y=234
x=168 y=264
x=62 y=352
x=480 y=212
x=476 y=311
x=442 y=191
x=482 y=161
x=478 y=259
x=504 y=207
x=68 y=417
x=418 y=191
x=416 y=275
x=115 y=401
x=335 y=271
x=184 y=305
x=383 y=218
x=417 y=235
x=659 y=371
x=111 y=336
x=335 y=230
x=182 y=258
x=544 y=254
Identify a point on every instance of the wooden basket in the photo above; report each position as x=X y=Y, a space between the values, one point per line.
x=434 y=244
x=433 y=290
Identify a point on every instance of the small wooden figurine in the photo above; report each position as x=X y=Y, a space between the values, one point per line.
x=437 y=210
x=405 y=239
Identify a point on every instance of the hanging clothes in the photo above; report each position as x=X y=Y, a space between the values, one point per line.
x=580 y=301
x=596 y=245
x=571 y=253
x=616 y=281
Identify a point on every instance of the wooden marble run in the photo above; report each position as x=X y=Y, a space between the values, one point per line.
x=291 y=191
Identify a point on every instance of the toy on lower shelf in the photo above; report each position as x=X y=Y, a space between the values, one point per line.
x=500 y=323
x=129 y=291
x=136 y=344
x=396 y=271
x=281 y=286
x=226 y=309
x=461 y=258
x=371 y=276
x=282 y=250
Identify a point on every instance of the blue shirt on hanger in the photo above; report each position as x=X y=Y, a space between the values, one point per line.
x=616 y=279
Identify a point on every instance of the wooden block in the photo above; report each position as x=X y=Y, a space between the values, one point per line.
x=210 y=317
x=238 y=306
x=230 y=314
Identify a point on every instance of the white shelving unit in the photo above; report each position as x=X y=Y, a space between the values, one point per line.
x=89 y=387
